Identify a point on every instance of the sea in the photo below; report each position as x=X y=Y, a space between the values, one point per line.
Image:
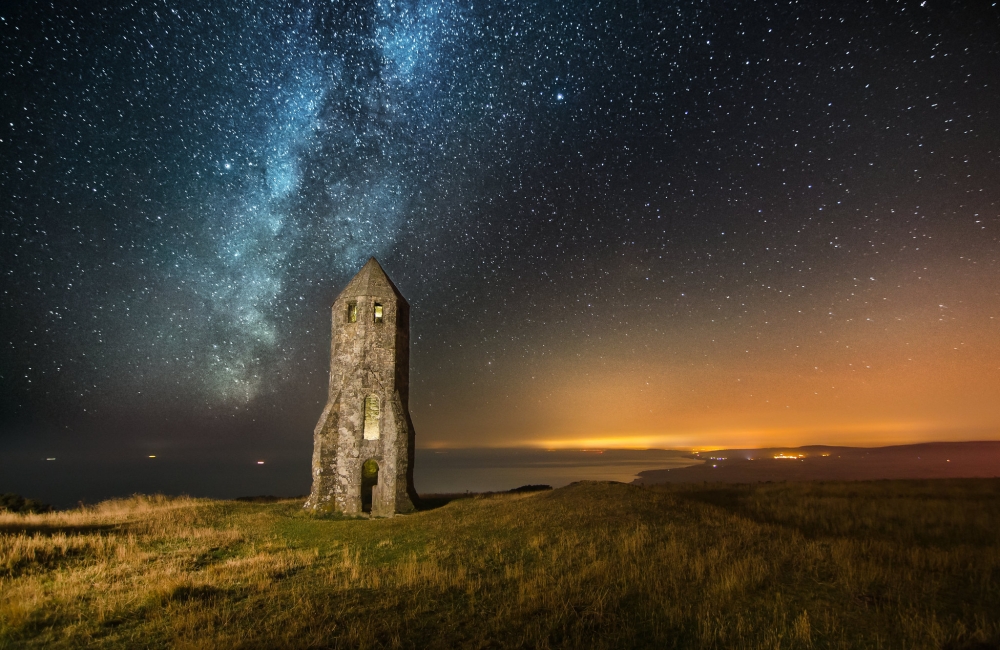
x=66 y=478
x=450 y=471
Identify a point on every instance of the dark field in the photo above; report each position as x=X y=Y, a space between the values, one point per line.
x=887 y=564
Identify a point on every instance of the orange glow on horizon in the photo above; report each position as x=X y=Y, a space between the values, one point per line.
x=892 y=366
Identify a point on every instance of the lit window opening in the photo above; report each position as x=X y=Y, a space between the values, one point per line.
x=352 y=312
x=372 y=414
x=378 y=313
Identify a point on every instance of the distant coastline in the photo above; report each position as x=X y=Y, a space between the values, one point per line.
x=975 y=459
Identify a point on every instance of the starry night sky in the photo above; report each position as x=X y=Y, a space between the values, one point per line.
x=641 y=224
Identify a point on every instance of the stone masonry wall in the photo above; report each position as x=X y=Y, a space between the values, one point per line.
x=367 y=358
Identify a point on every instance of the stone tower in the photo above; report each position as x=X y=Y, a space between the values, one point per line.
x=363 y=443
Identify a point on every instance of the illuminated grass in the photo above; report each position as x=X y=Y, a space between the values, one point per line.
x=883 y=564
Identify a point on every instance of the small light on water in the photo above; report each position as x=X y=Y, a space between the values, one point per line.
x=152 y=455
x=50 y=459
x=260 y=462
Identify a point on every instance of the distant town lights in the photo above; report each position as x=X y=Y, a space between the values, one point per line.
x=260 y=462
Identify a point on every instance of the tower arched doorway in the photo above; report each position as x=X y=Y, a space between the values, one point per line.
x=369 y=480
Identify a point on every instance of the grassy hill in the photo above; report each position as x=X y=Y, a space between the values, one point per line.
x=888 y=564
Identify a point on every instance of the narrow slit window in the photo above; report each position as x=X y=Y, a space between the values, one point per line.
x=371 y=418
x=352 y=312
x=378 y=313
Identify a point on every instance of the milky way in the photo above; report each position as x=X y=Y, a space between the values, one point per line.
x=647 y=222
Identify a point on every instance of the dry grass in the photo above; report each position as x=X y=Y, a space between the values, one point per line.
x=885 y=564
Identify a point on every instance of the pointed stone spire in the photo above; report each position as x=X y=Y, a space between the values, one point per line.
x=371 y=280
